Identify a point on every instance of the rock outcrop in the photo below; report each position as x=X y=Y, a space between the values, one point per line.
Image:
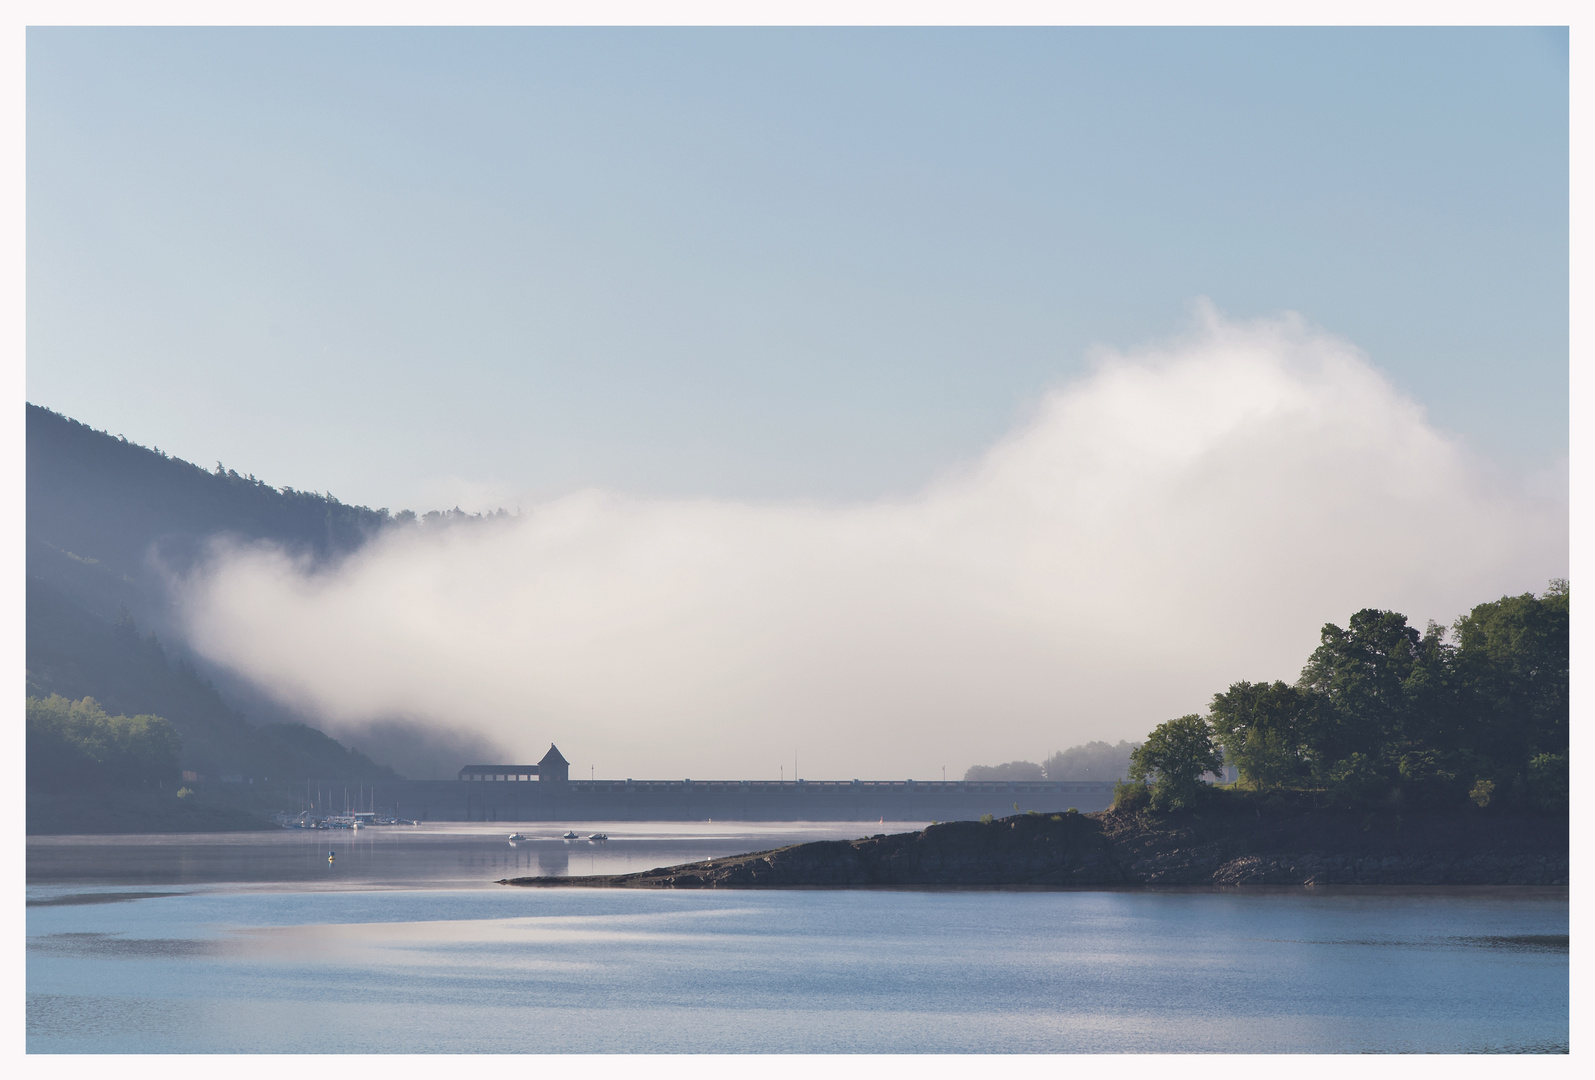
x=1231 y=847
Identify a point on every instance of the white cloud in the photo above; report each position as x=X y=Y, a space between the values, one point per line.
x=1186 y=516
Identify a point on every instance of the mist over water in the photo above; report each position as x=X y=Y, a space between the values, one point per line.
x=1186 y=516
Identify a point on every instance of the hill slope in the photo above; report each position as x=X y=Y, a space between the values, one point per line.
x=107 y=521
x=104 y=514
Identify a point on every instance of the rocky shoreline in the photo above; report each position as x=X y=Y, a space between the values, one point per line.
x=1249 y=845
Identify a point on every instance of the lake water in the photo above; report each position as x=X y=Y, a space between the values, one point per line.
x=254 y=943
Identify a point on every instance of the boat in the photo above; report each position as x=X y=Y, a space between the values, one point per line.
x=516 y=838
x=598 y=837
x=570 y=834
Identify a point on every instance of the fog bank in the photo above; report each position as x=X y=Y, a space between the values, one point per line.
x=1186 y=516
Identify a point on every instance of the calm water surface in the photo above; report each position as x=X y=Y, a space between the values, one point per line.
x=256 y=944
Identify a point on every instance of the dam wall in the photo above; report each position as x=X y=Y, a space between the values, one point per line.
x=727 y=800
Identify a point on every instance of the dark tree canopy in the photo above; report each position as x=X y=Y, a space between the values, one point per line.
x=1513 y=656
x=1355 y=681
x=1385 y=715
x=1264 y=727
x=1174 y=757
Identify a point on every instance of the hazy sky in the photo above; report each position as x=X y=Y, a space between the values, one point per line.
x=905 y=398
x=427 y=267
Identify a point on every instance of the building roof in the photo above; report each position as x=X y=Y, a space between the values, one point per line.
x=553 y=757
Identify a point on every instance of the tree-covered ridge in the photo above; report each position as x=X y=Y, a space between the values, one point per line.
x=104 y=498
x=1382 y=713
x=107 y=522
x=72 y=653
x=75 y=744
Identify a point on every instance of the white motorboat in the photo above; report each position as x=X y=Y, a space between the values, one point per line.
x=598 y=837
x=570 y=835
x=516 y=838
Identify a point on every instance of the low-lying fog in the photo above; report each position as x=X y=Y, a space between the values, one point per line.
x=1186 y=516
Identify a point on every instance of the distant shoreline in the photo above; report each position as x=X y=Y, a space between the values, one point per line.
x=1135 y=849
x=133 y=812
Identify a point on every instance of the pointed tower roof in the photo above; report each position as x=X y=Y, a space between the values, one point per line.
x=553 y=757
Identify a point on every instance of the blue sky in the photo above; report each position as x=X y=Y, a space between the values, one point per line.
x=420 y=267
x=937 y=383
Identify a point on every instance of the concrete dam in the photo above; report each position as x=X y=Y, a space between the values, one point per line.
x=545 y=792
x=729 y=800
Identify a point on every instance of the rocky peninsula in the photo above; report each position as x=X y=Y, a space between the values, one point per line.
x=1263 y=844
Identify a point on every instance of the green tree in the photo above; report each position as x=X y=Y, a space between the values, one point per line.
x=1384 y=713
x=75 y=743
x=1355 y=779
x=1512 y=669
x=1430 y=703
x=1263 y=728
x=1357 y=681
x=1174 y=757
x=1549 y=782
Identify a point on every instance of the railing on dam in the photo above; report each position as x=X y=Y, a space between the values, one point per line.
x=801 y=786
x=483 y=799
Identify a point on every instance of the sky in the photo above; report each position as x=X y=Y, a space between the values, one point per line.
x=435 y=267
x=927 y=397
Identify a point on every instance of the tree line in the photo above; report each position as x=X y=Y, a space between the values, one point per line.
x=75 y=744
x=1382 y=714
x=1089 y=761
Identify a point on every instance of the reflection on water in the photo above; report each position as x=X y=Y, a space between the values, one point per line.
x=444 y=855
x=225 y=951
x=58 y=899
x=553 y=862
x=1523 y=942
x=93 y=944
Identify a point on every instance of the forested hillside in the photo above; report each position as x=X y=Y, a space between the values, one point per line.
x=100 y=509
x=74 y=653
x=107 y=520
